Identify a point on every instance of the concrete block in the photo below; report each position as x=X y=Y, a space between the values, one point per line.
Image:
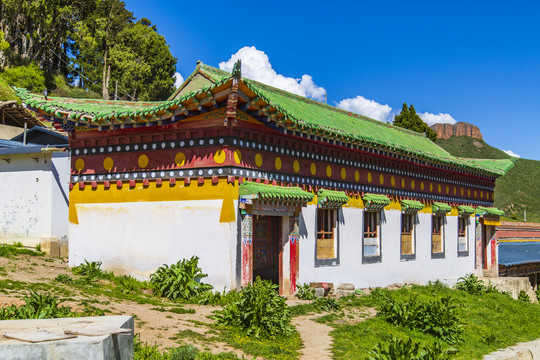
x=103 y=347
x=50 y=246
x=64 y=250
x=345 y=287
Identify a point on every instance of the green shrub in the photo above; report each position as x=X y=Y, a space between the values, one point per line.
x=436 y=317
x=29 y=77
x=63 y=278
x=537 y=292
x=260 y=311
x=522 y=296
x=326 y=304
x=37 y=306
x=407 y=350
x=471 y=284
x=217 y=298
x=128 y=284
x=88 y=269
x=180 y=281
x=305 y=292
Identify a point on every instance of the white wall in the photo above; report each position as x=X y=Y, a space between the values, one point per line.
x=60 y=169
x=25 y=211
x=31 y=204
x=136 y=238
x=391 y=269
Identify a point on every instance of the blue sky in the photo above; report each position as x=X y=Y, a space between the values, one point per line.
x=472 y=61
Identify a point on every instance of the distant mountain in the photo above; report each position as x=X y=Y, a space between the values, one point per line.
x=515 y=191
x=445 y=131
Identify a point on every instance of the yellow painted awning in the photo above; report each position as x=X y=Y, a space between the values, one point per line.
x=492 y=222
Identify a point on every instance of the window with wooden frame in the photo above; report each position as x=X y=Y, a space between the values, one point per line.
x=408 y=246
x=371 y=246
x=326 y=234
x=437 y=236
x=463 y=239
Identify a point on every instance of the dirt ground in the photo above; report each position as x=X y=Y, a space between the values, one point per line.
x=156 y=327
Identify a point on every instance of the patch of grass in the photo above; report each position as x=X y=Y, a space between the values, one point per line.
x=143 y=351
x=175 y=310
x=7 y=250
x=490 y=321
x=280 y=347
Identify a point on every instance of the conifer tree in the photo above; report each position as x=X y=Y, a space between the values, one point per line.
x=409 y=119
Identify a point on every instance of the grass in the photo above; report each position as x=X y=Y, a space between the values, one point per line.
x=279 y=347
x=468 y=147
x=517 y=190
x=520 y=189
x=491 y=321
x=8 y=250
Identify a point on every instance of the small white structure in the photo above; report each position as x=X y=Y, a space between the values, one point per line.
x=34 y=181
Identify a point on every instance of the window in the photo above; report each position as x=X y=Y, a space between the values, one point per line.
x=463 y=242
x=326 y=234
x=407 y=237
x=371 y=246
x=437 y=237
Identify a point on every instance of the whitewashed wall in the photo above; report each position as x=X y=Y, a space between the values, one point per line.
x=136 y=238
x=30 y=206
x=391 y=269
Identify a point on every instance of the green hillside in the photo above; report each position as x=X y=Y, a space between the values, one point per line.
x=515 y=191
x=468 y=147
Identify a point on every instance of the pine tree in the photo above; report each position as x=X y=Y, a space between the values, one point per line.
x=409 y=119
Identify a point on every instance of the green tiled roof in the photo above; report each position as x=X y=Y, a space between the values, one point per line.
x=297 y=113
x=440 y=208
x=375 y=201
x=331 y=198
x=274 y=192
x=489 y=211
x=465 y=210
x=411 y=206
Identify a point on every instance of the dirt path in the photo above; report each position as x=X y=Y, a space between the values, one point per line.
x=316 y=338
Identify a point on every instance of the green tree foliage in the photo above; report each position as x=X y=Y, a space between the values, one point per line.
x=142 y=62
x=92 y=43
x=409 y=119
x=30 y=77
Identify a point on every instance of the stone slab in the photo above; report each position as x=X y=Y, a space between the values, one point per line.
x=101 y=347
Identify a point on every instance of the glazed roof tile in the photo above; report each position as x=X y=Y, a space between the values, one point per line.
x=332 y=197
x=274 y=192
x=411 y=205
x=298 y=113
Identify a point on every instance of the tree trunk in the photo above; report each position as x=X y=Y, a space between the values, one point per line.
x=106 y=75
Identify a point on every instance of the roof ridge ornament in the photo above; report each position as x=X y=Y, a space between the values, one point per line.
x=237 y=69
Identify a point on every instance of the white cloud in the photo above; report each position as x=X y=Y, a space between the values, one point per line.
x=511 y=153
x=179 y=80
x=256 y=66
x=431 y=119
x=366 y=107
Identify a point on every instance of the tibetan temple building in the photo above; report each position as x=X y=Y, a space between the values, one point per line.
x=256 y=181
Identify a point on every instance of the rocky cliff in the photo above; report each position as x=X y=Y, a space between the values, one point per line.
x=444 y=131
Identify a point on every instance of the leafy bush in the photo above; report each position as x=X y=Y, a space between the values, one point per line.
x=128 y=284
x=37 y=306
x=537 y=292
x=436 y=317
x=471 y=284
x=305 y=292
x=181 y=280
x=409 y=350
x=522 y=296
x=217 y=298
x=260 y=311
x=63 y=278
x=29 y=77
x=326 y=304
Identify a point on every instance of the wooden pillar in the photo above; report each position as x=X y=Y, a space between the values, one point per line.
x=294 y=241
x=247 y=250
